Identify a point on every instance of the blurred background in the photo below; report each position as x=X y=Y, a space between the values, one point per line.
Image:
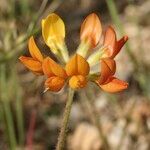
x=31 y=120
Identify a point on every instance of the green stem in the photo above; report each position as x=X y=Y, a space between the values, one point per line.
x=7 y=108
x=62 y=134
x=20 y=123
x=115 y=17
x=10 y=125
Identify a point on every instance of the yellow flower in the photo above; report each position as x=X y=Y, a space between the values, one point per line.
x=53 y=31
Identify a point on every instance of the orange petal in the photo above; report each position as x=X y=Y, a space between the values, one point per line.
x=34 y=51
x=91 y=29
x=114 y=85
x=108 y=68
x=51 y=68
x=77 y=65
x=54 y=83
x=110 y=41
x=32 y=64
x=77 y=82
x=119 y=45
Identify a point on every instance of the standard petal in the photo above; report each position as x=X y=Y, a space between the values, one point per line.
x=51 y=68
x=119 y=45
x=110 y=41
x=34 y=50
x=53 y=30
x=77 y=65
x=108 y=68
x=91 y=29
x=77 y=82
x=32 y=64
x=114 y=85
x=54 y=83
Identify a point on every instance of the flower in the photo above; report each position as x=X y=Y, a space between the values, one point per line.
x=76 y=70
x=106 y=80
x=33 y=63
x=53 y=31
x=113 y=46
x=91 y=30
x=56 y=75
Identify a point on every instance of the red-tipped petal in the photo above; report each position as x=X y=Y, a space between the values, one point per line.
x=108 y=68
x=119 y=45
x=114 y=85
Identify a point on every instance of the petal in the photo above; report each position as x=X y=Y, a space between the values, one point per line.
x=114 y=85
x=110 y=41
x=51 y=68
x=77 y=65
x=34 y=51
x=32 y=64
x=53 y=30
x=91 y=29
x=77 y=82
x=54 y=83
x=108 y=68
x=119 y=45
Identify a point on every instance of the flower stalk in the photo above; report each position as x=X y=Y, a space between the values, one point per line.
x=63 y=130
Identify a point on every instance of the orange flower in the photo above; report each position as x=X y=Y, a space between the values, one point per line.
x=91 y=30
x=106 y=81
x=55 y=73
x=110 y=41
x=77 y=68
x=33 y=63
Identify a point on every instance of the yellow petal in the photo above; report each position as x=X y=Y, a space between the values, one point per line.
x=91 y=29
x=53 y=31
x=108 y=68
x=77 y=82
x=32 y=64
x=54 y=83
x=34 y=51
x=114 y=85
x=51 y=68
x=77 y=65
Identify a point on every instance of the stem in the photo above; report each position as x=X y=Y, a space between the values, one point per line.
x=97 y=122
x=115 y=17
x=62 y=134
x=10 y=126
x=7 y=108
x=20 y=122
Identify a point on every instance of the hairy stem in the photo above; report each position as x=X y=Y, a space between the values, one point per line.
x=62 y=134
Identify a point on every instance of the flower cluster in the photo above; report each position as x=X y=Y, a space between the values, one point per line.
x=76 y=70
